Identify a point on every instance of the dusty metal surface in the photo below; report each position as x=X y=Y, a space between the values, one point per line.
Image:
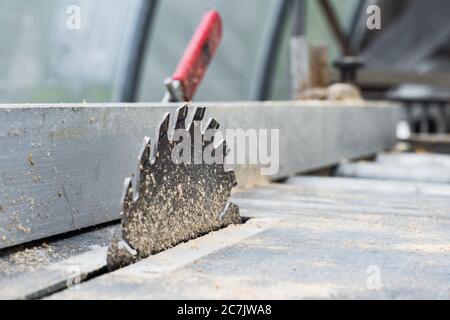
x=167 y=203
x=62 y=166
x=318 y=238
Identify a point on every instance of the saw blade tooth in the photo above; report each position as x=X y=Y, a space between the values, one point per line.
x=144 y=153
x=230 y=215
x=232 y=177
x=223 y=145
x=120 y=254
x=194 y=126
x=128 y=195
x=163 y=127
x=211 y=124
x=162 y=138
x=180 y=118
x=199 y=113
x=224 y=211
x=143 y=160
x=196 y=120
x=219 y=147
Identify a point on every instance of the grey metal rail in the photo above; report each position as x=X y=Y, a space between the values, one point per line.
x=62 y=166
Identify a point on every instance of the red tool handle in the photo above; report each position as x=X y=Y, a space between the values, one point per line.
x=199 y=53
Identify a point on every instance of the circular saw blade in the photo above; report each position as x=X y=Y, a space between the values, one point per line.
x=170 y=202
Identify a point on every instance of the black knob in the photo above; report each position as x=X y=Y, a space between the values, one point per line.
x=348 y=68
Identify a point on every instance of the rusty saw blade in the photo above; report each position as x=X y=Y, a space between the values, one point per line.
x=168 y=202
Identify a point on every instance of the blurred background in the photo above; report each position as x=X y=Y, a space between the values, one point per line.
x=124 y=49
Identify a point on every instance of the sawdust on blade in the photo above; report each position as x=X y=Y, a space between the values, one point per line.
x=169 y=203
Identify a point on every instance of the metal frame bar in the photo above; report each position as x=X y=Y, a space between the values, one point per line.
x=299 y=22
x=262 y=88
x=62 y=166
